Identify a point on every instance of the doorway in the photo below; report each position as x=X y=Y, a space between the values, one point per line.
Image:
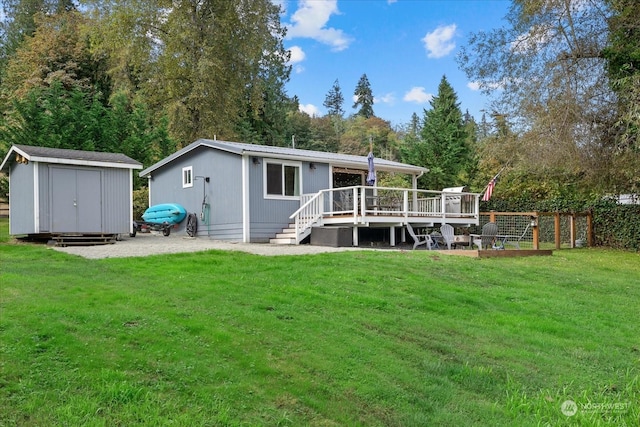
x=76 y=200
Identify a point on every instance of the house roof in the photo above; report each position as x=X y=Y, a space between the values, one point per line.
x=70 y=157
x=335 y=159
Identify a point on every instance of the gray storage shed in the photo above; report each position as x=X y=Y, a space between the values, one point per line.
x=57 y=191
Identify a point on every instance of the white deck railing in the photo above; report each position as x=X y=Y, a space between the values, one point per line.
x=363 y=205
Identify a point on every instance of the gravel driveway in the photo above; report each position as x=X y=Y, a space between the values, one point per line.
x=151 y=244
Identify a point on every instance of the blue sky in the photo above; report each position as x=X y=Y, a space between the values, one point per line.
x=403 y=46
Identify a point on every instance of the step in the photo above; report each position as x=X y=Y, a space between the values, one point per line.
x=83 y=239
x=283 y=241
x=285 y=235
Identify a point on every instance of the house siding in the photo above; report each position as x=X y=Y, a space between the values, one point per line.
x=22 y=203
x=116 y=205
x=316 y=179
x=269 y=216
x=222 y=191
x=44 y=198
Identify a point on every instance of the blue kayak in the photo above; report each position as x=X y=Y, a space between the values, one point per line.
x=171 y=213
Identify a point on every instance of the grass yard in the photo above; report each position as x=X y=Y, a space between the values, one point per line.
x=344 y=339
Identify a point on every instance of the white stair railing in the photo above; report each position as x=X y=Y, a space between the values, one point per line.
x=308 y=215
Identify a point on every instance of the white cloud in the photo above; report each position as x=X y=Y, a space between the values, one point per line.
x=310 y=20
x=475 y=86
x=295 y=59
x=297 y=55
x=310 y=109
x=418 y=95
x=440 y=42
x=389 y=98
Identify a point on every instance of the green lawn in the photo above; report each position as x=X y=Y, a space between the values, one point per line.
x=343 y=339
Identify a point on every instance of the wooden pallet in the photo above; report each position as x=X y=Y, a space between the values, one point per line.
x=83 y=239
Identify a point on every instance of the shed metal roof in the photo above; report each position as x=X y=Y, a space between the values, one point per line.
x=70 y=157
x=335 y=159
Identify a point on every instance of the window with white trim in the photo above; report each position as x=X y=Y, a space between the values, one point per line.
x=187 y=177
x=282 y=179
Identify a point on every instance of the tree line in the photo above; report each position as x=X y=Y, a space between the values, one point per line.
x=146 y=77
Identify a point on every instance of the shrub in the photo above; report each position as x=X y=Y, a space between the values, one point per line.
x=140 y=202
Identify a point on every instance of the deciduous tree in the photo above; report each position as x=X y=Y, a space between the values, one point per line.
x=215 y=66
x=549 y=73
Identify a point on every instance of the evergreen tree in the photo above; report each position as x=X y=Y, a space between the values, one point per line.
x=59 y=118
x=334 y=100
x=214 y=67
x=415 y=127
x=623 y=68
x=364 y=98
x=442 y=147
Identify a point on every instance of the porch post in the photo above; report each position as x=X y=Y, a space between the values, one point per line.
x=392 y=235
x=355 y=235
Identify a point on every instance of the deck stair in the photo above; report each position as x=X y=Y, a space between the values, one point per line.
x=83 y=239
x=286 y=237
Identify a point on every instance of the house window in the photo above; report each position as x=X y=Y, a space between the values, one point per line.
x=187 y=177
x=282 y=180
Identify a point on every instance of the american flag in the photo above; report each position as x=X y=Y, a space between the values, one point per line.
x=489 y=191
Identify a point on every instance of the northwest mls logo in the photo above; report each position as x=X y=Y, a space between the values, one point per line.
x=569 y=408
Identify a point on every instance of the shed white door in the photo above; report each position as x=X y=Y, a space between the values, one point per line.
x=76 y=200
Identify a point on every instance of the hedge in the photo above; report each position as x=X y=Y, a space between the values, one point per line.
x=614 y=225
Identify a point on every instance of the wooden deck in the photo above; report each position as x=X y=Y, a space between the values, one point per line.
x=377 y=207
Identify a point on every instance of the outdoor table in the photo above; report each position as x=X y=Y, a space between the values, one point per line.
x=461 y=240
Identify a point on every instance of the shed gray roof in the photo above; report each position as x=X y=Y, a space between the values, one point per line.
x=71 y=157
x=335 y=159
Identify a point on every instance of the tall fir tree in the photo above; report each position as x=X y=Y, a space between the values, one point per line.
x=442 y=147
x=364 y=98
x=334 y=100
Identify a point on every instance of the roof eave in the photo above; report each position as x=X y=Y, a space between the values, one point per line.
x=223 y=146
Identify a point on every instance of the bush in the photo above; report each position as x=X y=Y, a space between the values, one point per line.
x=140 y=202
x=614 y=225
x=617 y=226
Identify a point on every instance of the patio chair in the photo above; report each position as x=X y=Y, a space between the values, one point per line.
x=419 y=239
x=488 y=237
x=447 y=235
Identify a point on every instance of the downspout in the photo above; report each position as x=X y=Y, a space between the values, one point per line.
x=246 y=220
x=149 y=179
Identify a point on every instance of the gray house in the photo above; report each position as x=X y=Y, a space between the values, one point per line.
x=251 y=193
x=57 y=191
